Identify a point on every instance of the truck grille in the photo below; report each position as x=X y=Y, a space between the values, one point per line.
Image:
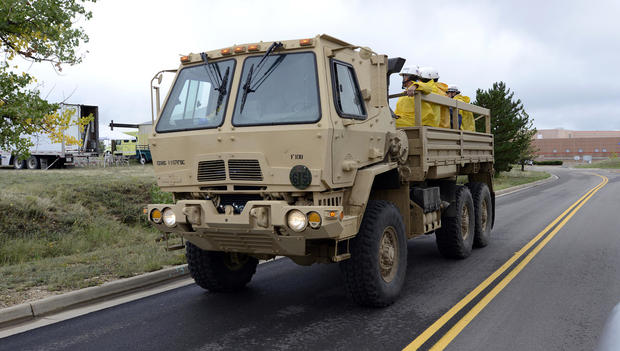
x=254 y=243
x=244 y=170
x=209 y=171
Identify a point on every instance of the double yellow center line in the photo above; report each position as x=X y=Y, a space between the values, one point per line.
x=473 y=312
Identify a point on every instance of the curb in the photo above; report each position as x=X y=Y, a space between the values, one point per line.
x=513 y=189
x=56 y=303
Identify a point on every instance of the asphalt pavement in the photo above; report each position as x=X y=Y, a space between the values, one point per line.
x=558 y=299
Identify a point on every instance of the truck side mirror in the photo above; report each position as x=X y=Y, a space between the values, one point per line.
x=394 y=66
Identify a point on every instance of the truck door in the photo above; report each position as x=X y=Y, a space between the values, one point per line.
x=355 y=142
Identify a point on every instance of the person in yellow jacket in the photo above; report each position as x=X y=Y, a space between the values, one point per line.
x=442 y=113
x=466 y=118
x=405 y=109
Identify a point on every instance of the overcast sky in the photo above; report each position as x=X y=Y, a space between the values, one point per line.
x=559 y=57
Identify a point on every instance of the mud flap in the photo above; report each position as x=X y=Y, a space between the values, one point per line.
x=493 y=208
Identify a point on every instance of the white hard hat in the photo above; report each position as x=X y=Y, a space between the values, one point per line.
x=453 y=88
x=429 y=73
x=410 y=71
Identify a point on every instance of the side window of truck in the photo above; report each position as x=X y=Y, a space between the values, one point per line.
x=347 y=95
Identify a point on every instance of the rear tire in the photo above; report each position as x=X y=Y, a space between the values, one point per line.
x=483 y=210
x=375 y=273
x=33 y=162
x=219 y=271
x=142 y=159
x=455 y=238
x=19 y=164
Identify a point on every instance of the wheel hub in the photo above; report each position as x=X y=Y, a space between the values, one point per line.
x=465 y=222
x=235 y=261
x=388 y=255
x=484 y=214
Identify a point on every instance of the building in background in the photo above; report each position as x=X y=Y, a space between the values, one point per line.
x=562 y=144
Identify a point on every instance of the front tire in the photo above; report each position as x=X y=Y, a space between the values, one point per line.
x=483 y=210
x=375 y=273
x=219 y=271
x=455 y=238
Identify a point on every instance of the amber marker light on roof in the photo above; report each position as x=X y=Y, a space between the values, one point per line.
x=253 y=47
x=239 y=49
x=184 y=59
x=305 y=42
x=226 y=51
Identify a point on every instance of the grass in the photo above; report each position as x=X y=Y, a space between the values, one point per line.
x=516 y=177
x=67 y=229
x=613 y=163
x=513 y=178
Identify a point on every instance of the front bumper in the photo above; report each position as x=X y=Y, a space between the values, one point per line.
x=260 y=228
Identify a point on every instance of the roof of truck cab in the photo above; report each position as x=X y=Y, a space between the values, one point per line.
x=263 y=45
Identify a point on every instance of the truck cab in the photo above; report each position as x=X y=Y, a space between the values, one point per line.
x=289 y=148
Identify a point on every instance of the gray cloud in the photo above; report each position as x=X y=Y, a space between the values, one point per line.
x=559 y=57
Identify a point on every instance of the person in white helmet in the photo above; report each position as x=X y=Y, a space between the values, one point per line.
x=466 y=118
x=430 y=74
x=405 y=108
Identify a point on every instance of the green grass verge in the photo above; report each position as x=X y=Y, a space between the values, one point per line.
x=513 y=178
x=66 y=229
x=614 y=163
x=516 y=177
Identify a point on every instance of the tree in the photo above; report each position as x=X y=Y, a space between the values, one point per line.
x=36 y=31
x=529 y=153
x=510 y=124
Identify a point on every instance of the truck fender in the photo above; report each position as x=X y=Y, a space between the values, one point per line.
x=364 y=179
x=363 y=182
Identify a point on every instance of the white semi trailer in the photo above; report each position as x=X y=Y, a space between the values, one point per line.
x=46 y=153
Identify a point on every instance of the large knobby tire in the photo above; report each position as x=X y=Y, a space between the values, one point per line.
x=219 y=271
x=33 y=162
x=375 y=273
x=455 y=238
x=19 y=164
x=483 y=210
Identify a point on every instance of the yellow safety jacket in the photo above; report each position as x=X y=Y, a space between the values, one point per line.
x=406 y=111
x=468 y=122
x=444 y=121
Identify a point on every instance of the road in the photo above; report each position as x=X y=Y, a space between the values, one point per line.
x=557 y=296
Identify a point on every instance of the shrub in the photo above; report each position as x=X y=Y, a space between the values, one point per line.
x=548 y=163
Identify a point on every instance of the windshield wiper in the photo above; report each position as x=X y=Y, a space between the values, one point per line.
x=215 y=76
x=247 y=85
x=246 y=88
x=222 y=90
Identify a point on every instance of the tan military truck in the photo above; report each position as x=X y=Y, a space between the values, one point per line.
x=290 y=149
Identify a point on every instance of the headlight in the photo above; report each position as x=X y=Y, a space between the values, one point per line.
x=296 y=220
x=169 y=218
x=156 y=216
x=314 y=220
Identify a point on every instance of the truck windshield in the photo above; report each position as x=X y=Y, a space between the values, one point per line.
x=198 y=98
x=283 y=90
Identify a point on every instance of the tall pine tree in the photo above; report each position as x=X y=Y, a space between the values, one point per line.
x=510 y=124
